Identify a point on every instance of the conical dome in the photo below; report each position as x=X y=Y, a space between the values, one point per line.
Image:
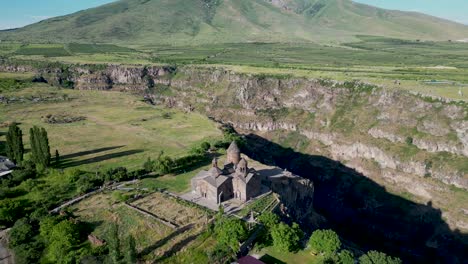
x=233 y=154
x=233 y=148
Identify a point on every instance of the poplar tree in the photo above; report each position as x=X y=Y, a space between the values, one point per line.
x=40 y=149
x=14 y=143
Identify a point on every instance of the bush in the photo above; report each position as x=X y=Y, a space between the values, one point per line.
x=409 y=141
x=324 y=241
x=373 y=257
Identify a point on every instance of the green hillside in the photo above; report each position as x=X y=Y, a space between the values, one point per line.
x=228 y=21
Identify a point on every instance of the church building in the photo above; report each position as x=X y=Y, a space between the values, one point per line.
x=234 y=181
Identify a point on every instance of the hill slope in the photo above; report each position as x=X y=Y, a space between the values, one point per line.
x=223 y=21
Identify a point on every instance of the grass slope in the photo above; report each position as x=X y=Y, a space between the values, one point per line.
x=226 y=21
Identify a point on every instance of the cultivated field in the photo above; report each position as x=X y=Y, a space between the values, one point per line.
x=432 y=68
x=155 y=241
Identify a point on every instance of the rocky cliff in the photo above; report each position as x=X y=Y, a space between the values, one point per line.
x=414 y=146
x=397 y=132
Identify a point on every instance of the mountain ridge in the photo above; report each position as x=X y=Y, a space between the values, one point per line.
x=229 y=21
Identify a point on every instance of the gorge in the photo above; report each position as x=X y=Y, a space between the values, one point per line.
x=390 y=162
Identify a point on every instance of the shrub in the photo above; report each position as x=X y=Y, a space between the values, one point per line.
x=409 y=141
x=324 y=241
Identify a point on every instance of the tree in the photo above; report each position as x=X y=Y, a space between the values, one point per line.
x=163 y=163
x=375 y=257
x=40 y=149
x=130 y=250
x=324 y=241
x=14 y=143
x=28 y=252
x=20 y=233
x=148 y=166
x=11 y=210
x=57 y=158
x=269 y=220
x=345 y=257
x=230 y=232
x=114 y=243
x=63 y=238
x=285 y=237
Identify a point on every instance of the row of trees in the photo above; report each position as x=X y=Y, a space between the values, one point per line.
x=324 y=243
x=40 y=149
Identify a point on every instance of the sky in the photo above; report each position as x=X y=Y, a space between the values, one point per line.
x=18 y=13
x=456 y=10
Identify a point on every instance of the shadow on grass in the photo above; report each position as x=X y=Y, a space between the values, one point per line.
x=271 y=260
x=163 y=241
x=68 y=164
x=87 y=228
x=88 y=152
x=364 y=212
x=176 y=248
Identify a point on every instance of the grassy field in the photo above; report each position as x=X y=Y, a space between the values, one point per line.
x=119 y=129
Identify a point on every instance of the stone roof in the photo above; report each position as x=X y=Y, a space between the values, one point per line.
x=6 y=165
x=216 y=181
x=233 y=148
x=242 y=163
x=215 y=171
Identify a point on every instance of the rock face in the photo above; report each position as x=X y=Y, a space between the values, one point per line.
x=394 y=129
x=353 y=138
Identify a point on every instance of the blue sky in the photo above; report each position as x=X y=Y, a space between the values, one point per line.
x=456 y=10
x=18 y=13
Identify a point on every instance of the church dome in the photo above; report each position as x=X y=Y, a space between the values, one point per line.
x=233 y=148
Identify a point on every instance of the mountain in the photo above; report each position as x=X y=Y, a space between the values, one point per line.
x=229 y=21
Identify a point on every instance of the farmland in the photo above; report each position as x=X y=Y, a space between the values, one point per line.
x=432 y=68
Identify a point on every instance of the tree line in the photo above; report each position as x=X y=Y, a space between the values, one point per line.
x=39 y=141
